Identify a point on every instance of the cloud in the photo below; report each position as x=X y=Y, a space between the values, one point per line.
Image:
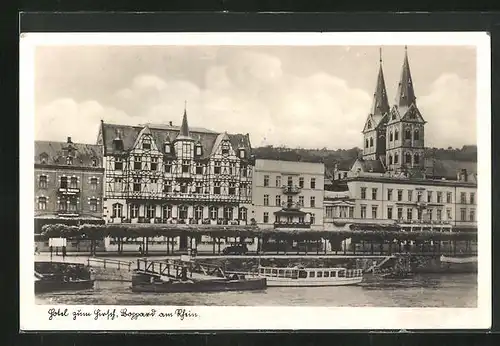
x=450 y=110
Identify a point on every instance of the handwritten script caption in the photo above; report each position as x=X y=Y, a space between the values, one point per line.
x=114 y=314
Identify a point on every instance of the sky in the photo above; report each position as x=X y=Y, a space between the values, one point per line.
x=294 y=96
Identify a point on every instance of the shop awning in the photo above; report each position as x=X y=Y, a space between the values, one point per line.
x=283 y=212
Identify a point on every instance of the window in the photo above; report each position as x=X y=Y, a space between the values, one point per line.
x=312 y=219
x=409 y=213
x=351 y=212
x=42 y=182
x=389 y=194
x=390 y=159
x=448 y=213
x=390 y=136
x=430 y=212
x=214 y=213
x=185 y=166
x=400 y=213
x=439 y=197
x=242 y=153
x=410 y=195
x=134 y=211
x=416 y=135
x=72 y=205
x=228 y=213
x=42 y=203
x=137 y=185
x=363 y=211
x=301 y=182
x=183 y=212
x=369 y=125
x=363 y=193
x=243 y=213
x=266 y=180
x=217 y=167
x=199 y=168
x=266 y=200
x=389 y=213
x=313 y=183
x=289 y=181
x=168 y=166
x=439 y=214
x=168 y=148
x=313 y=202
x=167 y=212
x=93 y=204
x=396 y=158
x=151 y=211
x=312 y=274
x=232 y=168
x=199 y=187
x=278 y=200
x=374 y=211
x=472 y=215
x=278 y=181
x=198 y=150
x=329 y=212
x=367 y=143
x=118 y=163
x=167 y=186
x=463 y=199
x=400 y=195
x=198 y=212
x=371 y=142
x=416 y=159
x=117 y=210
x=419 y=214
x=225 y=149
x=146 y=144
x=448 y=197
x=244 y=169
x=93 y=184
x=396 y=135
x=472 y=199
x=69 y=160
x=301 y=200
x=217 y=187
x=94 y=162
x=429 y=196
x=266 y=217
x=232 y=188
x=184 y=187
x=408 y=158
x=408 y=134
x=419 y=196
x=154 y=163
x=462 y=214
x=374 y=193
x=73 y=183
x=137 y=162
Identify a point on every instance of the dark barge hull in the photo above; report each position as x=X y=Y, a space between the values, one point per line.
x=200 y=286
x=44 y=286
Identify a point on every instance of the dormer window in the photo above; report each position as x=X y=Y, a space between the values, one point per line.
x=242 y=153
x=369 y=124
x=168 y=148
x=69 y=160
x=94 y=162
x=118 y=144
x=146 y=144
x=225 y=148
x=198 y=150
x=44 y=158
x=393 y=116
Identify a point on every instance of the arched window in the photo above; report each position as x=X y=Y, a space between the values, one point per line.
x=168 y=148
x=408 y=134
x=416 y=135
x=396 y=135
x=408 y=158
x=243 y=213
x=416 y=159
x=369 y=125
x=390 y=159
x=390 y=136
x=371 y=142
x=396 y=158
x=366 y=143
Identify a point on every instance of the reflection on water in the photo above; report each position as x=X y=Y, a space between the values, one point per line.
x=432 y=290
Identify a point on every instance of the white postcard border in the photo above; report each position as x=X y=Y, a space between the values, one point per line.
x=35 y=317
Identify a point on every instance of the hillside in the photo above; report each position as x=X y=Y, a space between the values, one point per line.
x=345 y=157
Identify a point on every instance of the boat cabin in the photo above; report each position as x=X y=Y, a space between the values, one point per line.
x=310 y=273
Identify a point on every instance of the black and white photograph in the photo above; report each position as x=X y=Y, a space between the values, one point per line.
x=221 y=181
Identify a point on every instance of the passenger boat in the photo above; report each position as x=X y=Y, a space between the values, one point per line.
x=310 y=277
x=458 y=264
x=53 y=283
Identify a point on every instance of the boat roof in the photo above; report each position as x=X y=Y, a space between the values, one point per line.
x=297 y=268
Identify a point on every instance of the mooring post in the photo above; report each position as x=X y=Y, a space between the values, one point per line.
x=104 y=261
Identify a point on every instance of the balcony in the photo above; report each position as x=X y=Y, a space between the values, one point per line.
x=70 y=191
x=291 y=205
x=291 y=189
x=295 y=224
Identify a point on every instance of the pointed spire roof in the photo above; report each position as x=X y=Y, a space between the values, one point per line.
x=184 y=131
x=380 y=104
x=405 y=96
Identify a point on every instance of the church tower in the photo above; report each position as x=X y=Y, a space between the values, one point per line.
x=405 y=128
x=374 y=132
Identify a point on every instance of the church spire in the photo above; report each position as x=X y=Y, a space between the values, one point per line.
x=380 y=104
x=184 y=127
x=405 y=96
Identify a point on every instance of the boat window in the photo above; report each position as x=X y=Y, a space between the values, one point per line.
x=302 y=274
x=288 y=274
x=312 y=274
x=281 y=273
x=326 y=274
x=348 y=273
x=268 y=271
x=295 y=274
x=320 y=274
x=342 y=274
x=275 y=272
x=333 y=274
x=261 y=270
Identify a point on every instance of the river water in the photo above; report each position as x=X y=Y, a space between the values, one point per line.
x=429 y=290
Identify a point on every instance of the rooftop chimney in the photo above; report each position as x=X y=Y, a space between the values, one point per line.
x=170 y=123
x=69 y=140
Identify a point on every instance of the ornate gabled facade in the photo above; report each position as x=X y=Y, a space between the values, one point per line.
x=169 y=174
x=68 y=183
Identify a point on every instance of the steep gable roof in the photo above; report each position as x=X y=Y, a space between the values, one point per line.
x=54 y=152
x=369 y=166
